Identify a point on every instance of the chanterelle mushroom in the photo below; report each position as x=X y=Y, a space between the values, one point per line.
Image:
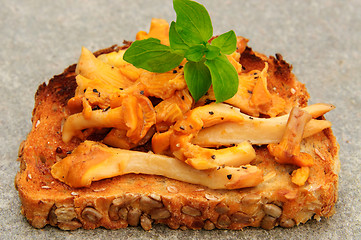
x=91 y=67
x=288 y=150
x=178 y=139
x=259 y=130
x=93 y=161
x=135 y=115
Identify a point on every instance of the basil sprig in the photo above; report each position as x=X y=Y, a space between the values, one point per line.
x=189 y=38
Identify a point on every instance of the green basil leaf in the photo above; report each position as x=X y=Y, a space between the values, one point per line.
x=224 y=78
x=195 y=53
x=175 y=41
x=212 y=52
x=198 y=78
x=227 y=42
x=153 y=56
x=193 y=22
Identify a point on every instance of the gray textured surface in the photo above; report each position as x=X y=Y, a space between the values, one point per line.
x=321 y=39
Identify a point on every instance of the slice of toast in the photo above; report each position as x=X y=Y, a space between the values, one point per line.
x=137 y=199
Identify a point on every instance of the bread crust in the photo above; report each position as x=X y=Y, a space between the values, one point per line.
x=144 y=200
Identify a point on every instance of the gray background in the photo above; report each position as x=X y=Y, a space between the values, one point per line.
x=321 y=39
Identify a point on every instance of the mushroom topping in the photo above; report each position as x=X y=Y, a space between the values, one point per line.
x=220 y=124
x=259 y=130
x=179 y=139
x=172 y=109
x=300 y=176
x=93 y=68
x=92 y=161
x=265 y=102
x=135 y=115
x=288 y=150
x=159 y=28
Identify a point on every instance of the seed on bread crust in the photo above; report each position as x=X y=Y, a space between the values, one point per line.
x=224 y=221
x=125 y=199
x=208 y=225
x=211 y=197
x=146 y=204
x=145 y=222
x=123 y=214
x=159 y=213
x=113 y=212
x=197 y=224
x=172 y=189
x=118 y=201
x=240 y=217
x=52 y=216
x=287 y=223
x=133 y=216
x=38 y=222
x=99 y=190
x=91 y=215
x=156 y=197
x=250 y=199
x=268 y=222
x=221 y=208
x=272 y=210
x=65 y=214
x=72 y=225
x=191 y=211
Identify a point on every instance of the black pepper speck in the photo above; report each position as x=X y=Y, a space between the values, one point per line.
x=58 y=150
x=106 y=109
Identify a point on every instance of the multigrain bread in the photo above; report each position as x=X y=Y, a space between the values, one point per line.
x=137 y=199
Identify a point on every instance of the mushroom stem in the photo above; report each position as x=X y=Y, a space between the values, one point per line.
x=99 y=118
x=259 y=130
x=136 y=115
x=93 y=161
x=288 y=150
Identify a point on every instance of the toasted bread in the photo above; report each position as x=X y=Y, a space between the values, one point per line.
x=137 y=199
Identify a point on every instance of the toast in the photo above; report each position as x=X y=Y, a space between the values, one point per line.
x=140 y=199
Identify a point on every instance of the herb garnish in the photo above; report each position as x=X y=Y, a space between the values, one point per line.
x=189 y=38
